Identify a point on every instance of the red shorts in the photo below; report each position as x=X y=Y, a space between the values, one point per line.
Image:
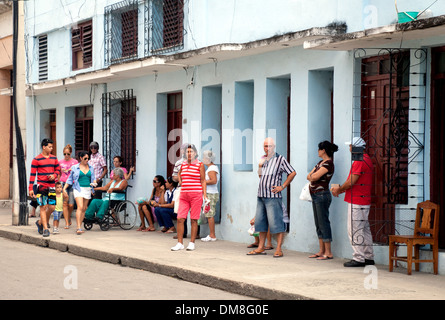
x=190 y=201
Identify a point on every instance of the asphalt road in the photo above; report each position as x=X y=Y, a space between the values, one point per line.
x=29 y=272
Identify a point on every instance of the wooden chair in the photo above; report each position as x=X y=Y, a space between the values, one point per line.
x=427 y=222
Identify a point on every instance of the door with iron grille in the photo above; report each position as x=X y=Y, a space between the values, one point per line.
x=119 y=127
x=390 y=119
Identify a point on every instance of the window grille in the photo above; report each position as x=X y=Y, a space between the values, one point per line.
x=43 y=57
x=121 y=32
x=82 y=45
x=167 y=25
x=119 y=127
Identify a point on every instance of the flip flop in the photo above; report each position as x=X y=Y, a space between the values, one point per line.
x=324 y=258
x=268 y=248
x=256 y=253
x=253 y=245
x=278 y=254
x=314 y=256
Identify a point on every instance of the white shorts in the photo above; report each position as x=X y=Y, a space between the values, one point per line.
x=85 y=192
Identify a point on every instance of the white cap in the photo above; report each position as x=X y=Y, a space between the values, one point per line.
x=357 y=142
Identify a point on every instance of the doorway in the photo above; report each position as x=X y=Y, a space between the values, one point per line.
x=384 y=126
x=174 y=124
x=437 y=154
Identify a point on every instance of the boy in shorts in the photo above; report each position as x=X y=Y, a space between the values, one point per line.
x=58 y=208
x=45 y=167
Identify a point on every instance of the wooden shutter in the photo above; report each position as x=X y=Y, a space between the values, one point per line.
x=130 y=33
x=82 y=45
x=43 y=58
x=173 y=22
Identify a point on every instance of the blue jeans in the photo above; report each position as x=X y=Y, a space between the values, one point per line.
x=165 y=217
x=269 y=215
x=320 y=204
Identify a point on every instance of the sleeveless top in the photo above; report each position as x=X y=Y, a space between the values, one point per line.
x=117 y=196
x=191 y=176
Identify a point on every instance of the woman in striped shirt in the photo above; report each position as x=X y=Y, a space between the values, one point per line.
x=193 y=188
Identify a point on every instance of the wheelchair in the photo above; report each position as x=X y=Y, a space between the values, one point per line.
x=122 y=213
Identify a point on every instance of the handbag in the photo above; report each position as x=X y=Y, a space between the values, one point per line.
x=305 y=194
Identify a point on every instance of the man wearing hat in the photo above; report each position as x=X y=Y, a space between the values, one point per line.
x=357 y=189
x=97 y=161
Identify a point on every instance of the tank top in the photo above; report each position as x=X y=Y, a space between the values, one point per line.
x=191 y=176
x=59 y=202
x=84 y=179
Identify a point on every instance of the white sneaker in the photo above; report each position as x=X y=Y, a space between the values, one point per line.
x=177 y=247
x=56 y=230
x=191 y=246
x=208 y=238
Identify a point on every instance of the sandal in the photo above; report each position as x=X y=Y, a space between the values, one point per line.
x=323 y=257
x=140 y=229
x=253 y=245
x=314 y=256
x=256 y=253
x=278 y=254
x=79 y=231
x=268 y=248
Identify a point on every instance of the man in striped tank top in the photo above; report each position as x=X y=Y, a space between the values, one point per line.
x=193 y=188
x=46 y=168
x=269 y=212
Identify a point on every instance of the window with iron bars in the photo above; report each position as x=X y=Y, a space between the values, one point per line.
x=167 y=25
x=119 y=127
x=121 y=31
x=82 y=45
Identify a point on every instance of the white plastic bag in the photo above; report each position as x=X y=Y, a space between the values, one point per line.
x=305 y=194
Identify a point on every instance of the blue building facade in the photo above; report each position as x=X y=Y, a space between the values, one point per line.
x=141 y=77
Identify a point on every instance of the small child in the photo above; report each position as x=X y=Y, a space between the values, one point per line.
x=59 y=207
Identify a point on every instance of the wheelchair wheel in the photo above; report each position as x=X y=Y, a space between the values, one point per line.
x=87 y=225
x=104 y=225
x=126 y=214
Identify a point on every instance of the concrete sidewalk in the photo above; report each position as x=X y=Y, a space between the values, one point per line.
x=225 y=265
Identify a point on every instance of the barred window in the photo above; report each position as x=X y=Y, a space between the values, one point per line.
x=173 y=22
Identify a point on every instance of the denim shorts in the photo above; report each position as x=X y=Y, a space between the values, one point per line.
x=269 y=215
x=320 y=204
x=56 y=215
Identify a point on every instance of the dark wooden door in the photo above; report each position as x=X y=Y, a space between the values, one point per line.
x=174 y=122
x=437 y=153
x=375 y=128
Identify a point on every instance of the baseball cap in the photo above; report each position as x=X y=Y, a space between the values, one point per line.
x=357 y=142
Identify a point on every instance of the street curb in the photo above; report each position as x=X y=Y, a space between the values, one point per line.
x=235 y=287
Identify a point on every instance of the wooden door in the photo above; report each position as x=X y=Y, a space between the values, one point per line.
x=384 y=126
x=375 y=130
x=437 y=153
x=174 y=122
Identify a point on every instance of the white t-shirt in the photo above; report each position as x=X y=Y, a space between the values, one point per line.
x=212 y=188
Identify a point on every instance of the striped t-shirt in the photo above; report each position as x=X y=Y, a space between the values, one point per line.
x=43 y=167
x=191 y=176
x=271 y=175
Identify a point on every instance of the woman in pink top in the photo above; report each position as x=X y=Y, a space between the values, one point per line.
x=193 y=188
x=65 y=165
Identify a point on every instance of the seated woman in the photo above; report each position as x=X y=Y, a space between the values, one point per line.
x=146 y=207
x=99 y=207
x=164 y=210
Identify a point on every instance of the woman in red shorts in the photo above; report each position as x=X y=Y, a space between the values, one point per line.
x=193 y=188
